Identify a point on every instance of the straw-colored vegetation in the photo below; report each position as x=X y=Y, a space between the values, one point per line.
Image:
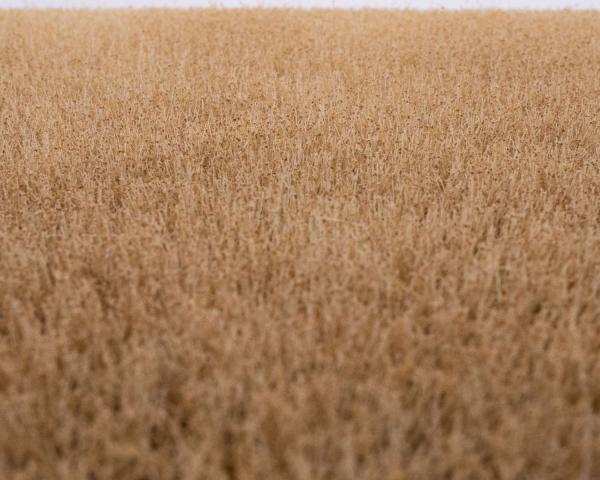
x=299 y=245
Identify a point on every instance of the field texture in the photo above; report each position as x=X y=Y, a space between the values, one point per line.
x=299 y=245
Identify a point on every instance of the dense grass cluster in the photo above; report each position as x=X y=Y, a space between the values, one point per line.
x=299 y=245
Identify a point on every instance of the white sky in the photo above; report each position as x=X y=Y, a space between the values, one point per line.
x=420 y=4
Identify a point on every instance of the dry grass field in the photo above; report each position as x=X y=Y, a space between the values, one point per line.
x=299 y=245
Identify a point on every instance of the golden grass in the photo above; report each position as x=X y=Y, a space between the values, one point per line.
x=299 y=245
